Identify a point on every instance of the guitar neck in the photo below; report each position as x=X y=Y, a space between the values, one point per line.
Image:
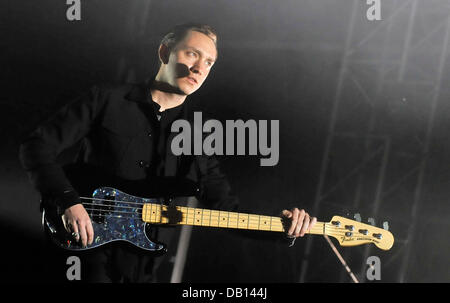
x=179 y=215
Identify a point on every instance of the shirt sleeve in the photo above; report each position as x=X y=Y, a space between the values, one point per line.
x=39 y=152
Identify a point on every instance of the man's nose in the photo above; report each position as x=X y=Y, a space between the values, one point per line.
x=197 y=68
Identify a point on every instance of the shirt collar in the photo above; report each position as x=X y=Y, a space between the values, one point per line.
x=141 y=93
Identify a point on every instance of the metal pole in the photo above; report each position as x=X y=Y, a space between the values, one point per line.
x=407 y=44
x=334 y=114
x=425 y=151
x=183 y=247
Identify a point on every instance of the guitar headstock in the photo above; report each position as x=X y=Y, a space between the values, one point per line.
x=351 y=233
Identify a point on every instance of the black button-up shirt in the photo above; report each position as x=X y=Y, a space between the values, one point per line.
x=119 y=132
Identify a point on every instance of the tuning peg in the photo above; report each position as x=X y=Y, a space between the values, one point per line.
x=357 y=217
x=386 y=225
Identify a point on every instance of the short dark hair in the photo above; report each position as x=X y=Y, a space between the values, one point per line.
x=179 y=32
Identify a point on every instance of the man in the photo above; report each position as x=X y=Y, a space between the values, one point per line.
x=126 y=131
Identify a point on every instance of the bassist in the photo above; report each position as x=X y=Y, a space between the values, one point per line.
x=125 y=130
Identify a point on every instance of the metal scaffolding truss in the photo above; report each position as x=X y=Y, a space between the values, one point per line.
x=390 y=70
x=405 y=53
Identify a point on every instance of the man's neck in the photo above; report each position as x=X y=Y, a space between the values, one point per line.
x=165 y=98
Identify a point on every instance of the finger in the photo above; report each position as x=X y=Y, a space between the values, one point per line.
x=305 y=226
x=294 y=217
x=301 y=216
x=83 y=234
x=73 y=228
x=287 y=213
x=312 y=222
x=67 y=225
x=90 y=232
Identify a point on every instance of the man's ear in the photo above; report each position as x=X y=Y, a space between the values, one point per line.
x=164 y=53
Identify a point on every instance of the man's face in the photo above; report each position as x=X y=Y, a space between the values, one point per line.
x=190 y=62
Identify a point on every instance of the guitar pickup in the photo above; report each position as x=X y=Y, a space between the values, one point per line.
x=103 y=207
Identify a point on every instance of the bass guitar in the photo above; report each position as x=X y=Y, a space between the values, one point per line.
x=122 y=210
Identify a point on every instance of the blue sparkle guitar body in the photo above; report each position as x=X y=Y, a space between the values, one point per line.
x=115 y=215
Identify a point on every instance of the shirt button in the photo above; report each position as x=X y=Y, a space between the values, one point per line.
x=143 y=163
x=149 y=134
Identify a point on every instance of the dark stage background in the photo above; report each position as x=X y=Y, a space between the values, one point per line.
x=363 y=109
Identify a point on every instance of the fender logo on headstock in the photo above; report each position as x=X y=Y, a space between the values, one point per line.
x=345 y=239
x=348 y=239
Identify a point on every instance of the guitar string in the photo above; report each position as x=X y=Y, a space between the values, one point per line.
x=115 y=212
x=318 y=228
x=117 y=201
x=110 y=206
x=218 y=225
x=140 y=203
x=337 y=230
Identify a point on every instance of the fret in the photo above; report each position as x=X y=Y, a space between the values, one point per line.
x=183 y=211
x=152 y=213
x=243 y=221
x=264 y=223
x=254 y=222
x=276 y=224
x=158 y=213
x=222 y=219
x=205 y=214
x=197 y=216
x=163 y=219
x=190 y=216
x=215 y=216
x=233 y=220
x=210 y=212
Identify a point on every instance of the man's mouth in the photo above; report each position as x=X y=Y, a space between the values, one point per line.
x=192 y=80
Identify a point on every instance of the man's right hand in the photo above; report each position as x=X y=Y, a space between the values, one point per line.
x=77 y=222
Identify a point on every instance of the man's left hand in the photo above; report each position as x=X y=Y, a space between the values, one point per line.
x=301 y=222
